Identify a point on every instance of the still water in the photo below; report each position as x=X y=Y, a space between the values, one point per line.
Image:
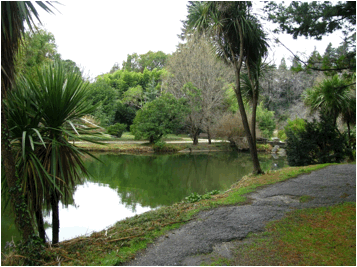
x=125 y=185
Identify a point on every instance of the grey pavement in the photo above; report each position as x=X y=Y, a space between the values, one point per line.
x=212 y=229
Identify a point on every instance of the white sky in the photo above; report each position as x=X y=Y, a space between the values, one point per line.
x=97 y=34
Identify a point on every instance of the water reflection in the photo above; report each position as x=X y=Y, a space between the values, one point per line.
x=97 y=207
x=125 y=185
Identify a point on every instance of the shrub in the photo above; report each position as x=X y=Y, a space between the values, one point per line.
x=195 y=197
x=295 y=125
x=158 y=118
x=265 y=121
x=161 y=146
x=282 y=135
x=314 y=143
x=117 y=129
x=230 y=127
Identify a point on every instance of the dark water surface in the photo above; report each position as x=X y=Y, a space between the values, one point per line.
x=125 y=185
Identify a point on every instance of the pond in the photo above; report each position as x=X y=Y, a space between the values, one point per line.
x=125 y=185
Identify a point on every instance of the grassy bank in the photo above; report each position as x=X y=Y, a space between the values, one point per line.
x=119 y=243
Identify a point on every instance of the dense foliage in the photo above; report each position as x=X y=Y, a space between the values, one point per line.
x=158 y=118
x=315 y=143
x=266 y=121
x=117 y=129
x=150 y=60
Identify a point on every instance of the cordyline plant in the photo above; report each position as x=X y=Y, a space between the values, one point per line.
x=42 y=115
x=13 y=17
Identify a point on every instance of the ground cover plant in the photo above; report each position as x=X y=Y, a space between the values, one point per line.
x=119 y=243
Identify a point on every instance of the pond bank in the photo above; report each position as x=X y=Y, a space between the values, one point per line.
x=119 y=243
x=170 y=146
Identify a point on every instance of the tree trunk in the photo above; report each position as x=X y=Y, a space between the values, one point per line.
x=254 y=120
x=349 y=141
x=195 y=138
x=255 y=95
x=194 y=134
x=209 y=136
x=41 y=225
x=55 y=218
x=151 y=139
x=17 y=199
x=252 y=145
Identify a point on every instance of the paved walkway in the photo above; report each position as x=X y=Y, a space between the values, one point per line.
x=212 y=229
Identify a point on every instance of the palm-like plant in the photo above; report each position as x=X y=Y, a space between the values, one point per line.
x=333 y=97
x=237 y=37
x=330 y=97
x=50 y=166
x=349 y=116
x=13 y=17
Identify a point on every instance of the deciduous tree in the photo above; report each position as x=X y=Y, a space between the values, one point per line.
x=199 y=77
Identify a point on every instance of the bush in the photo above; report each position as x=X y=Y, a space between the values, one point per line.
x=265 y=121
x=314 y=142
x=282 y=135
x=158 y=118
x=230 y=127
x=117 y=129
x=195 y=197
x=295 y=125
x=161 y=146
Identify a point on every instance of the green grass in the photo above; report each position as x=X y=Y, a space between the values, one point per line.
x=120 y=243
x=304 y=199
x=317 y=236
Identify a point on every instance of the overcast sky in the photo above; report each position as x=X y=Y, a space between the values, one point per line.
x=97 y=34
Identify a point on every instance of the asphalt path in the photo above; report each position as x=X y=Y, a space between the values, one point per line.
x=215 y=228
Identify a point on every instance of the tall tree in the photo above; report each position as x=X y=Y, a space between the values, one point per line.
x=316 y=19
x=238 y=38
x=150 y=60
x=198 y=76
x=13 y=17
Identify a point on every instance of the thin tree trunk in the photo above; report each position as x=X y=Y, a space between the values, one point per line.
x=195 y=138
x=209 y=136
x=254 y=120
x=55 y=218
x=41 y=225
x=151 y=139
x=17 y=199
x=254 y=102
x=349 y=141
x=252 y=145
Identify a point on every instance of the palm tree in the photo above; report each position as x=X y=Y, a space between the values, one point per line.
x=334 y=97
x=48 y=110
x=250 y=88
x=349 y=117
x=238 y=38
x=330 y=97
x=13 y=16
